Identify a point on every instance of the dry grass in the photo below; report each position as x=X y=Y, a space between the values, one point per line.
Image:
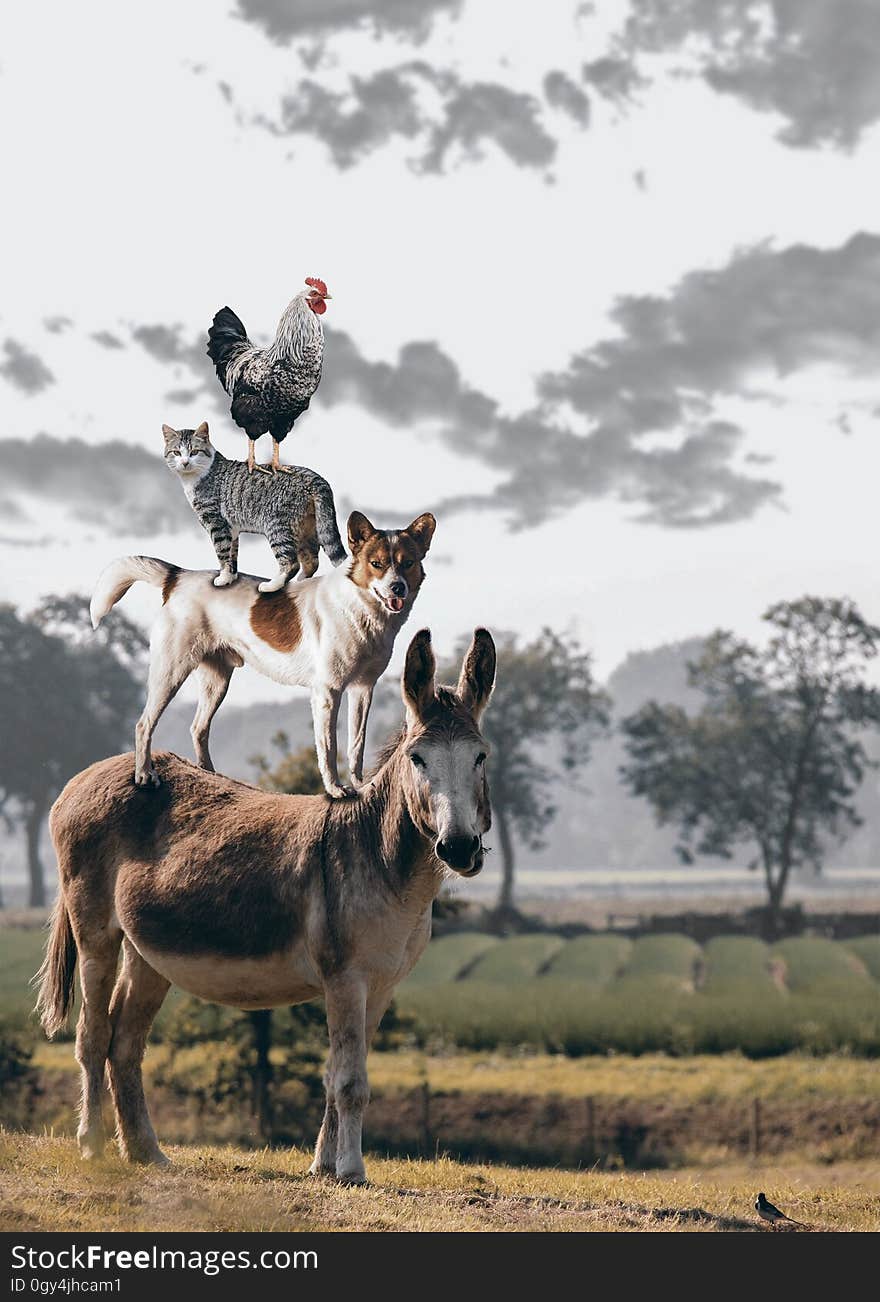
x=44 y=1186
x=701 y=1078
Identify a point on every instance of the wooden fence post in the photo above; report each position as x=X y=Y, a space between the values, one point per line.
x=426 y=1118
x=755 y=1128
x=590 y=1138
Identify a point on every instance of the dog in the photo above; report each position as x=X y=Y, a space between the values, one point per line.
x=333 y=633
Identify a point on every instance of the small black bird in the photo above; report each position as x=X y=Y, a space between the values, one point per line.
x=773 y=1215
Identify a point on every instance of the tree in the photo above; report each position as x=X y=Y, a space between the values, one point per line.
x=68 y=697
x=772 y=759
x=545 y=712
x=295 y=773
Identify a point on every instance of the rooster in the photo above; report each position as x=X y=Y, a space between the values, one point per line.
x=271 y=387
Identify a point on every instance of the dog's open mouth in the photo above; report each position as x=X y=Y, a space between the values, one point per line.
x=394 y=604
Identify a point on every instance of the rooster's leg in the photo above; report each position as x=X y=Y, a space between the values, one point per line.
x=276 y=463
x=251 y=463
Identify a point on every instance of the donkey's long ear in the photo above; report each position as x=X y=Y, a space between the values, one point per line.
x=418 y=676
x=359 y=530
x=477 y=677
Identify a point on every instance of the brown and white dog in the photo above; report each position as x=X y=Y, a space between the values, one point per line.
x=333 y=633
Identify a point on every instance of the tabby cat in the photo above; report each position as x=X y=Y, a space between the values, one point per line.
x=295 y=512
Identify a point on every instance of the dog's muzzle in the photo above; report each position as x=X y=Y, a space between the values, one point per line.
x=464 y=854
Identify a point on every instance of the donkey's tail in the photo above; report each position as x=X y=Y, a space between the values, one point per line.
x=325 y=521
x=55 y=977
x=117 y=578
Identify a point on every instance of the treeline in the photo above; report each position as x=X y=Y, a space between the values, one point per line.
x=765 y=760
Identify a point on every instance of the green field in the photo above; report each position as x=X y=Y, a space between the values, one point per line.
x=605 y=993
x=665 y=993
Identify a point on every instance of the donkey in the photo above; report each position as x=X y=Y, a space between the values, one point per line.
x=256 y=900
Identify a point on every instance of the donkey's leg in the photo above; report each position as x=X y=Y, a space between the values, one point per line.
x=348 y=1087
x=98 y=954
x=137 y=999
x=325 y=1149
x=171 y=663
x=359 y=700
x=214 y=675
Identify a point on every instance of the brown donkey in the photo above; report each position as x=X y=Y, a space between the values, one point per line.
x=257 y=900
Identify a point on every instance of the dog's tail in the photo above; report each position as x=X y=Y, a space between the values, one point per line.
x=55 y=976
x=325 y=521
x=120 y=574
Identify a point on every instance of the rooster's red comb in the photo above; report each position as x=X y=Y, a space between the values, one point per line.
x=317 y=284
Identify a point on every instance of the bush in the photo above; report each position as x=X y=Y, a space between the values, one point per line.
x=738 y=967
x=447 y=958
x=823 y=968
x=18 y=1078
x=516 y=960
x=867 y=950
x=595 y=960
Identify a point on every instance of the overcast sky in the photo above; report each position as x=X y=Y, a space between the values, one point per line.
x=606 y=292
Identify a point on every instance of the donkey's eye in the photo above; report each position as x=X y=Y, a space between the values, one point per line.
x=481 y=759
x=418 y=761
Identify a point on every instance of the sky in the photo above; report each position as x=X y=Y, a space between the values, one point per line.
x=605 y=277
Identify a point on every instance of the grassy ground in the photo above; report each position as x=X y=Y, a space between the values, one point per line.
x=44 y=1186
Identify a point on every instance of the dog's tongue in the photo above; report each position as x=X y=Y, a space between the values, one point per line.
x=395 y=603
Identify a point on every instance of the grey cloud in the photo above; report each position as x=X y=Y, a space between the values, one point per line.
x=25 y=369
x=672 y=359
x=284 y=21
x=114 y=486
x=107 y=339
x=562 y=93
x=56 y=325
x=616 y=78
x=389 y=105
x=815 y=62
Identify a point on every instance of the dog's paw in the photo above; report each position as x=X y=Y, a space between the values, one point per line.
x=339 y=792
x=146 y=777
x=224 y=578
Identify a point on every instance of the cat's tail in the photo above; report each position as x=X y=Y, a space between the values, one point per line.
x=325 y=521
x=117 y=578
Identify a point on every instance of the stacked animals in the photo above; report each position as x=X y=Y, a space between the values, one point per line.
x=333 y=634
x=243 y=897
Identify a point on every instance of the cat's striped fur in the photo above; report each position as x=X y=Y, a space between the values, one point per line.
x=294 y=512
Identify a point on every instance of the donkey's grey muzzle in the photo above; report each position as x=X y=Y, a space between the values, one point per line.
x=461 y=853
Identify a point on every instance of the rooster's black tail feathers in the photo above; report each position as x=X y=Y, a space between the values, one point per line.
x=225 y=339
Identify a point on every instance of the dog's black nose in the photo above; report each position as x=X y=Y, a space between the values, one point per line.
x=458 y=851
x=398 y=588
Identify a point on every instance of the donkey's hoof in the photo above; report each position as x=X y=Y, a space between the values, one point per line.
x=352 y=1177
x=322 y=1172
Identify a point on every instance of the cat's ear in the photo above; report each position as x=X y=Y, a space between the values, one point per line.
x=169 y=433
x=359 y=530
x=202 y=431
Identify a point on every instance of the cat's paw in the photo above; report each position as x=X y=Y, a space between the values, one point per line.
x=224 y=578
x=271 y=585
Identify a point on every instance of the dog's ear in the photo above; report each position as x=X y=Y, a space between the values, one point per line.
x=169 y=433
x=422 y=529
x=418 y=676
x=202 y=431
x=359 y=530
x=477 y=677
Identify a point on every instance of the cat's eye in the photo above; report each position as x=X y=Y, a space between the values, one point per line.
x=417 y=761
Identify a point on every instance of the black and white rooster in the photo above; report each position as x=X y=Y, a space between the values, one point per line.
x=271 y=387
